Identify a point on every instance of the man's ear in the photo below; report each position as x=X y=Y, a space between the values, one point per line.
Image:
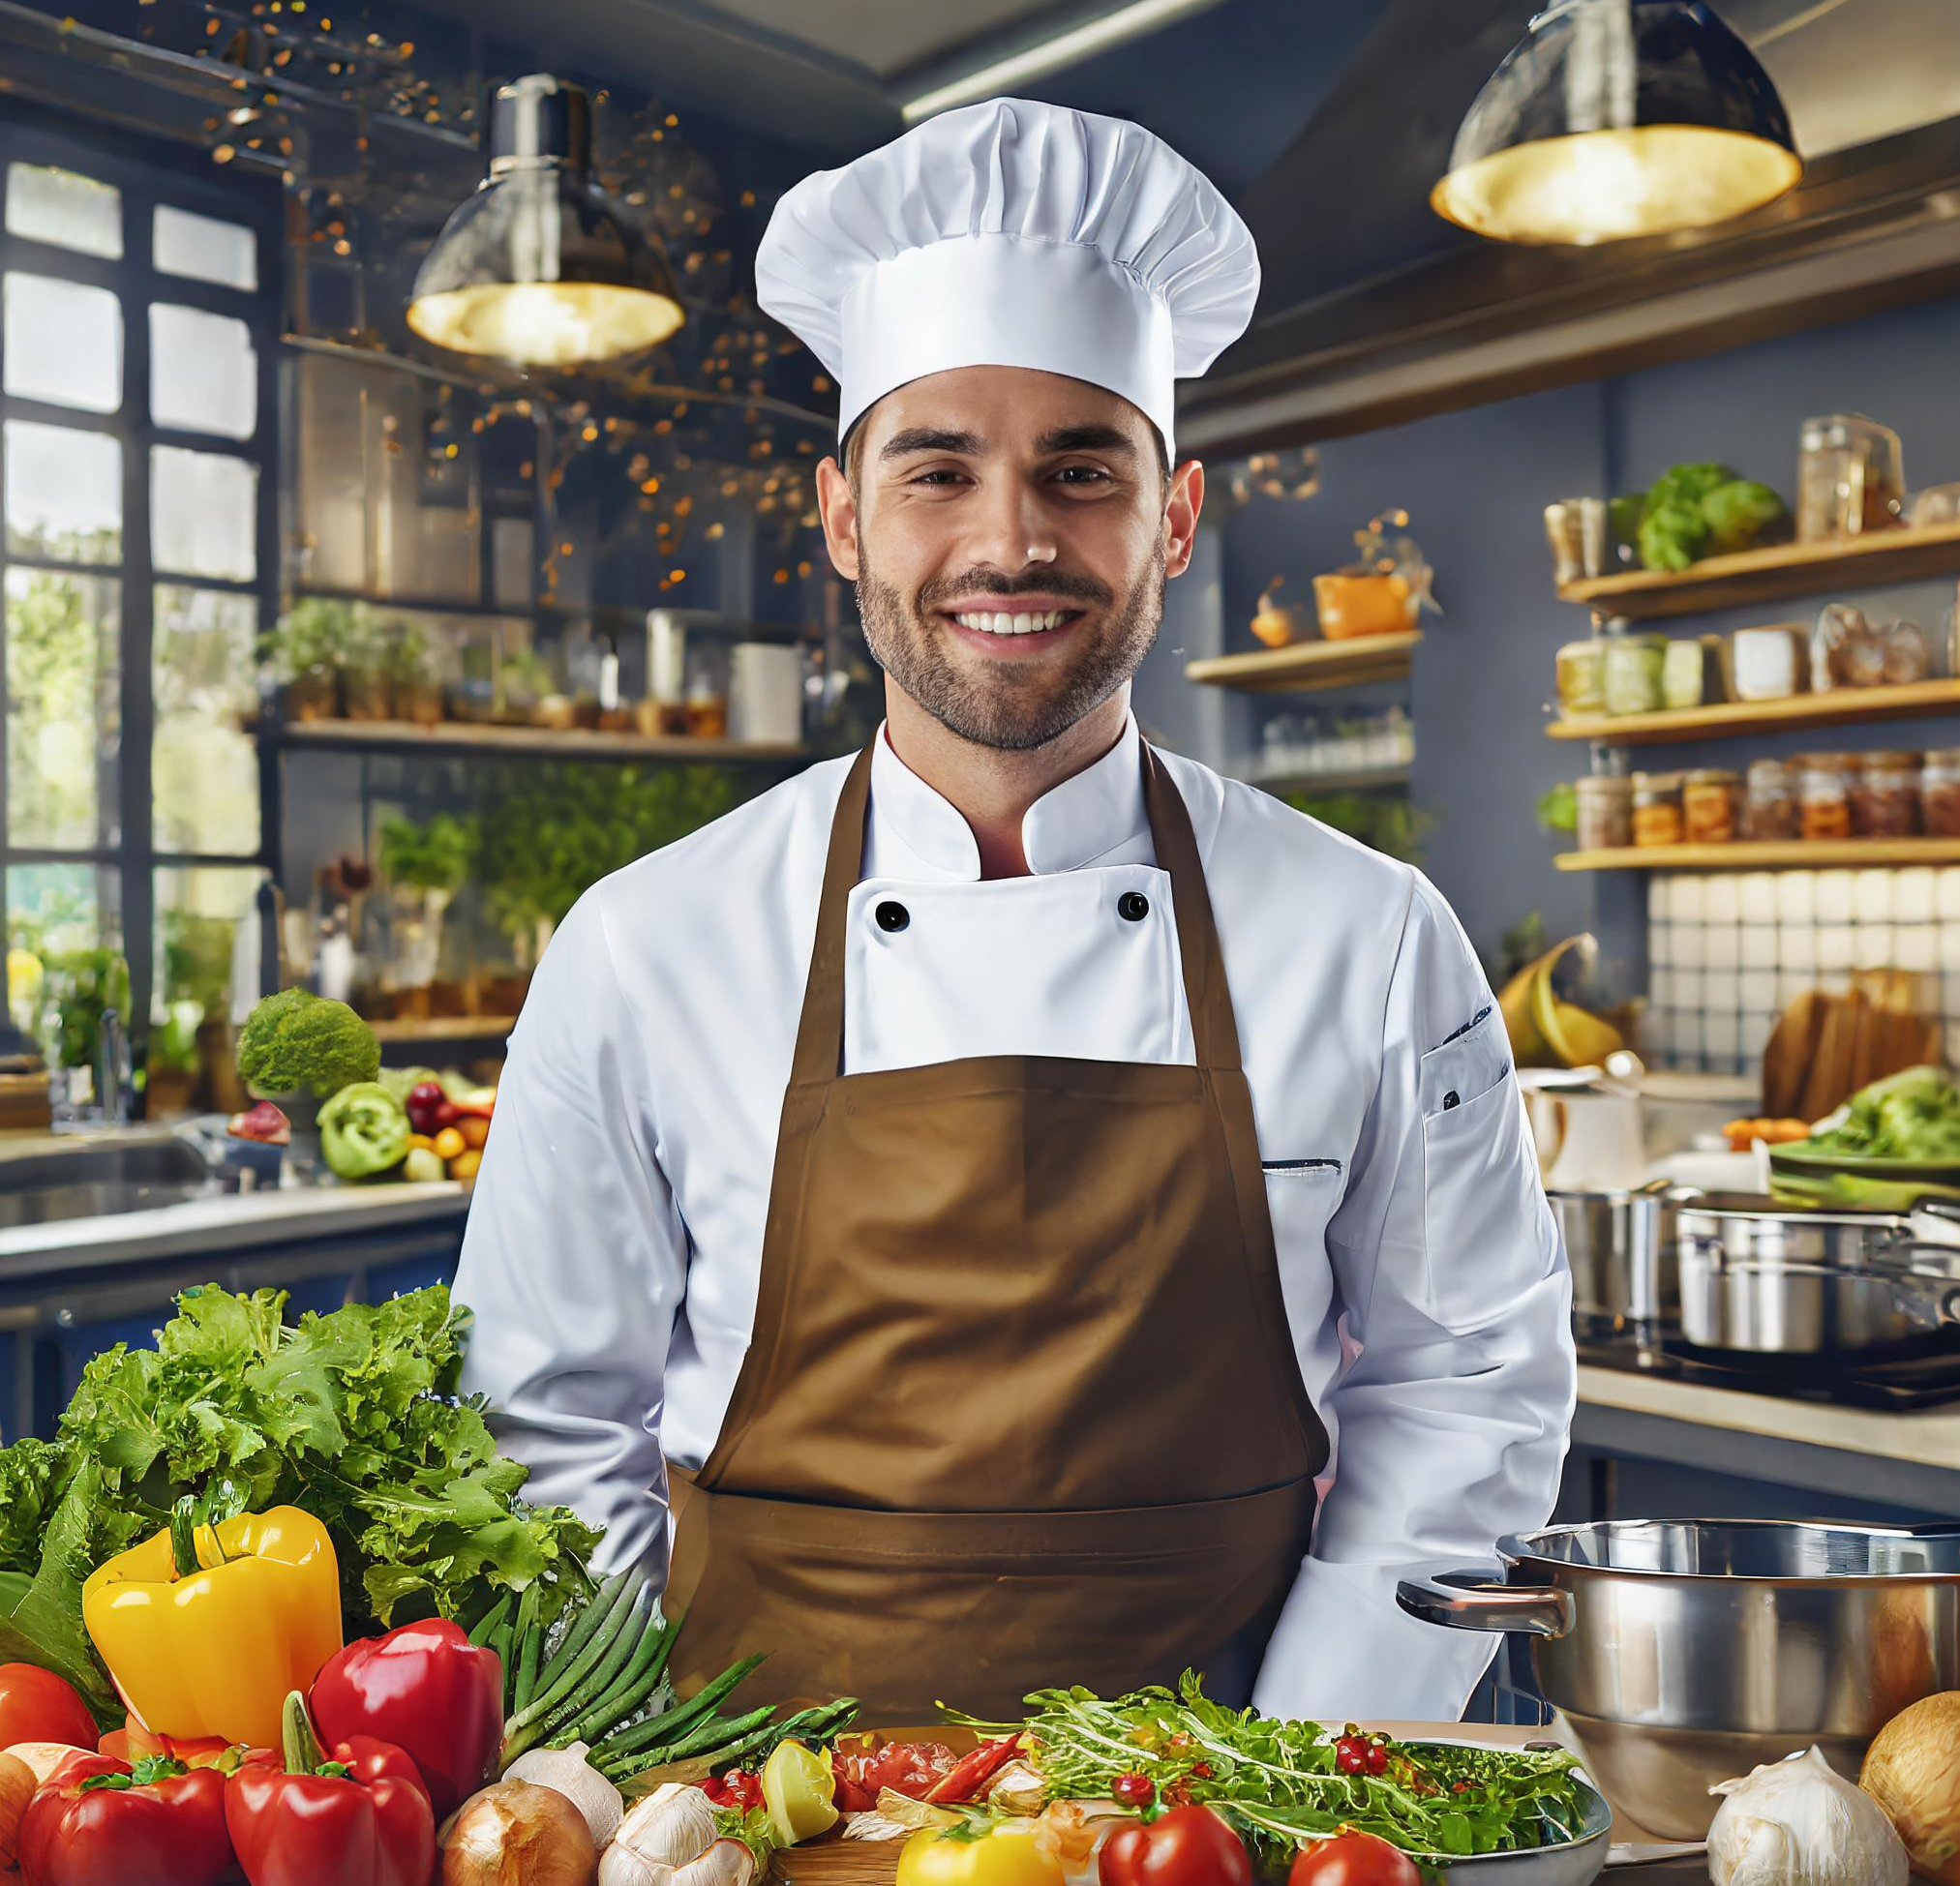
x=1181 y=515
x=839 y=511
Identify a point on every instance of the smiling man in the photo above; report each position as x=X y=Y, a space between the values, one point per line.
x=947 y=1180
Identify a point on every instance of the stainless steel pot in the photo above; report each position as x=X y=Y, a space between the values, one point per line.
x=1684 y=1652
x=1620 y=1245
x=1774 y=1280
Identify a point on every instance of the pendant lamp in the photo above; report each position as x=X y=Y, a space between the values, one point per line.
x=1618 y=118
x=538 y=267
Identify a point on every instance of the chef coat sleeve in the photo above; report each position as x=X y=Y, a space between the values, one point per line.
x=1450 y=1426
x=574 y=1259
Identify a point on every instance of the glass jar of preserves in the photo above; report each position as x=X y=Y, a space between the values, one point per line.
x=1711 y=807
x=1848 y=477
x=1634 y=664
x=1939 y=792
x=1824 y=806
x=1581 y=677
x=1884 y=793
x=1657 y=809
x=1604 y=812
x=1770 y=814
x=1683 y=671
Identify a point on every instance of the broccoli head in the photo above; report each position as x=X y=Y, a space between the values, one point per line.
x=1738 y=514
x=1671 y=536
x=297 y=1039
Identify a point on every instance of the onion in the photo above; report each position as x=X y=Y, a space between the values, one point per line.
x=514 y=1834
x=18 y=1784
x=44 y=1757
x=1798 y=1822
x=1912 y=1772
x=581 y=1783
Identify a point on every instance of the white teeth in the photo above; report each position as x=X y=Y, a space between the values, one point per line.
x=1001 y=623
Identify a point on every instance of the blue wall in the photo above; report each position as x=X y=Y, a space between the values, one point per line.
x=1475 y=484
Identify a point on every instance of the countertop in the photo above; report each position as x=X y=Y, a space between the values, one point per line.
x=225 y=1220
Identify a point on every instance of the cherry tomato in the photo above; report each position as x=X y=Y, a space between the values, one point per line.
x=38 y=1706
x=1190 y=1846
x=1354 y=1859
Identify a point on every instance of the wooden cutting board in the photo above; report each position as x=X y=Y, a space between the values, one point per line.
x=840 y=1863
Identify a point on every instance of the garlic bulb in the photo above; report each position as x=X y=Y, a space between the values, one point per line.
x=1798 y=1822
x=568 y=1772
x=660 y=1837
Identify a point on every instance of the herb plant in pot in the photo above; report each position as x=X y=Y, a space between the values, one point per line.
x=305 y=653
x=409 y=666
x=425 y=866
x=365 y=691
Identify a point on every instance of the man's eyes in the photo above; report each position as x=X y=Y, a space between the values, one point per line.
x=1073 y=474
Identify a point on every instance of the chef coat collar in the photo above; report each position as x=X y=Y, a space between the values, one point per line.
x=1081 y=821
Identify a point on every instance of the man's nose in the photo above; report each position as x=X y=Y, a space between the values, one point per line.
x=1012 y=529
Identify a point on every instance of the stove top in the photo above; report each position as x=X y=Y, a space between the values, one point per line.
x=1900 y=1381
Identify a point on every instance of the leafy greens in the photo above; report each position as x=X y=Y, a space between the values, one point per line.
x=1279 y=1782
x=1911 y=1115
x=351 y=1416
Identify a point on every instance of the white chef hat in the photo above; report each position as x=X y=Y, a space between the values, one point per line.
x=1012 y=235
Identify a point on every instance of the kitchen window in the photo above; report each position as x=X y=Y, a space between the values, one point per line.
x=139 y=329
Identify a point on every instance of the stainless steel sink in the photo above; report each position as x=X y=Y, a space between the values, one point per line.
x=95 y=1181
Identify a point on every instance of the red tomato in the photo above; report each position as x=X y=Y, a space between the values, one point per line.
x=1190 y=1846
x=38 y=1706
x=1354 y=1859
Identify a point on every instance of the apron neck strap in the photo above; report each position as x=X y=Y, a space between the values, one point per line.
x=1215 y=1033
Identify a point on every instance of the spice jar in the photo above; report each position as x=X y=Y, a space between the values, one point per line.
x=1884 y=794
x=1939 y=792
x=1683 y=674
x=1770 y=814
x=1604 y=812
x=1581 y=677
x=1711 y=807
x=1657 y=809
x=1824 y=807
x=1848 y=477
x=1633 y=665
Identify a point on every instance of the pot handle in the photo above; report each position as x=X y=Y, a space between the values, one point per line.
x=1470 y=1600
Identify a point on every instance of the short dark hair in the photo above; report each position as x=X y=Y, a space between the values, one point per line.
x=854 y=456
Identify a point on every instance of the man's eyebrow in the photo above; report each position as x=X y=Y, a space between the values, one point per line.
x=932 y=439
x=1087 y=438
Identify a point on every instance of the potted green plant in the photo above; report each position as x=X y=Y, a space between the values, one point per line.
x=524 y=678
x=365 y=691
x=425 y=866
x=409 y=666
x=305 y=651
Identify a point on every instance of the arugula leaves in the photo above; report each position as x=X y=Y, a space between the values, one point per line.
x=1279 y=1782
x=351 y=1416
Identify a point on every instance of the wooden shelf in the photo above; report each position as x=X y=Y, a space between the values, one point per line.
x=446 y=1028
x=1833 y=708
x=1820 y=855
x=1303 y=667
x=1761 y=576
x=469 y=739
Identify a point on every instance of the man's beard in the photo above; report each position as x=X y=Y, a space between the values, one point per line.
x=1011 y=706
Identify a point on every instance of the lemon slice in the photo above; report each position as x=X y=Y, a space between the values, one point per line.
x=799 y=1792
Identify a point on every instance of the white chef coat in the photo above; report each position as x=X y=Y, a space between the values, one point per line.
x=614 y=1246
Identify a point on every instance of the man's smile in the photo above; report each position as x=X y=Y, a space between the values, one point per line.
x=1013 y=626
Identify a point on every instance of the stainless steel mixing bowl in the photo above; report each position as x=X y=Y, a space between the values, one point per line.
x=1683 y=1652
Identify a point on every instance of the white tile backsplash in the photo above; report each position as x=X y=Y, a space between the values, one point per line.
x=1728 y=954
x=1797 y=896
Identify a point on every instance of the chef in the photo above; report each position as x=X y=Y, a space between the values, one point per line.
x=988 y=1186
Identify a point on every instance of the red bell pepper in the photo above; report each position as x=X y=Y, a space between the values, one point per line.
x=427 y=1688
x=361 y=1820
x=97 y=1820
x=132 y=1742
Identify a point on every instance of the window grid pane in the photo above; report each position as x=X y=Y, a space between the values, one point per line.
x=204 y=249
x=203 y=514
x=63 y=207
x=64 y=342
x=63 y=712
x=203 y=372
x=204 y=764
x=64 y=493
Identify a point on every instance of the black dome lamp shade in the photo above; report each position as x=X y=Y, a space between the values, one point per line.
x=538 y=267
x=1618 y=118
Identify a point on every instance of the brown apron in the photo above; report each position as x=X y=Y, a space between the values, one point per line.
x=1021 y=1406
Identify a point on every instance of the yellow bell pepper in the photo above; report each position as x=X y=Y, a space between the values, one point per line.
x=1010 y=1853
x=214 y=1651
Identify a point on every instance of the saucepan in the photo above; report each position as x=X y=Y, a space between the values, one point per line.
x=1774 y=1279
x=1684 y=1652
x=1620 y=1245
